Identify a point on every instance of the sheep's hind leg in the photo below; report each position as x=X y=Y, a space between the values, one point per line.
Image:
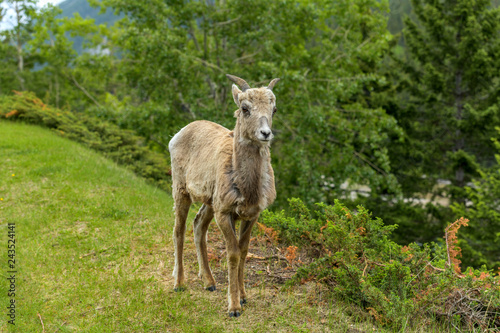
x=182 y=204
x=201 y=223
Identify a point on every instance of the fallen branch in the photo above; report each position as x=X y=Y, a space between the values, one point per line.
x=254 y=256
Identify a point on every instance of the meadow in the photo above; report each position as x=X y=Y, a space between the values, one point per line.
x=94 y=253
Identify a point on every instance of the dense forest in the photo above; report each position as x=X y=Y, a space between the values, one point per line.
x=393 y=105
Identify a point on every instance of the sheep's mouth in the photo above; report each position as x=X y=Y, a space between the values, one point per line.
x=264 y=140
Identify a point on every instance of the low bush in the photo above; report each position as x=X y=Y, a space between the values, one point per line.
x=396 y=284
x=122 y=146
x=155 y=122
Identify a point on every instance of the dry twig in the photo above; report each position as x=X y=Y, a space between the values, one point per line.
x=43 y=326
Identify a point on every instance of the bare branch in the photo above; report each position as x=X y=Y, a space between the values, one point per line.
x=208 y=64
x=246 y=56
x=370 y=163
x=219 y=24
x=85 y=91
x=191 y=32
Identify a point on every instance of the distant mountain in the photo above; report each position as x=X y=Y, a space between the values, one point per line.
x=83 y=8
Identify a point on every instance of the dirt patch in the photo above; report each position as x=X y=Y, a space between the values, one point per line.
x=267 y=263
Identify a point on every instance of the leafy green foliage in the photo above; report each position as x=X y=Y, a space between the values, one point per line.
x=16 y=73
x=480 y=241
x=175 y=56
x=153 y=121
x=394 y=283
x=38 y=55
x=86 y=11
x=122 y=146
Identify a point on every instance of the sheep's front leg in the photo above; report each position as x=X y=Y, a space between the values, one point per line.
x=245 y=232
x=224 y=221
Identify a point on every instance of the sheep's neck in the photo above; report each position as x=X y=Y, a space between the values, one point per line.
x=248 y=159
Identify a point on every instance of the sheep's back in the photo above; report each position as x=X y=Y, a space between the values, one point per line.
x=198 y=153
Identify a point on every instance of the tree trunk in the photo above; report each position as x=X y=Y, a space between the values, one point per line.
x=459 y=139
x=19 y=45
x=459 y=105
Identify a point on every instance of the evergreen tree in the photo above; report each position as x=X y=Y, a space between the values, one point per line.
x=449 y=91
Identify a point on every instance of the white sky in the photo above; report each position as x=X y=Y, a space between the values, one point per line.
x=6 y=22
x=42 y=3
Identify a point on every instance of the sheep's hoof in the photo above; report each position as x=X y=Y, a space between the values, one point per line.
x=177 y=289
x=243 y=301
x=211 y=288
x=234 y=314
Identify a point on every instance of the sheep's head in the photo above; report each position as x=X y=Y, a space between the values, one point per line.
x=256 y=108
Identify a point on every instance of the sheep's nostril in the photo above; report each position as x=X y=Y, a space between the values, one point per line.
x=265 y=134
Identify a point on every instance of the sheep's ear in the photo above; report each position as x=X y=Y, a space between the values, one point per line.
x=236 y=91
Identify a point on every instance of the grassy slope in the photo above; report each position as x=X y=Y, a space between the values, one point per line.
x=94 y=252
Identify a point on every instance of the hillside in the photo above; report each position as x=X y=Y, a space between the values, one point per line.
x=94 y=253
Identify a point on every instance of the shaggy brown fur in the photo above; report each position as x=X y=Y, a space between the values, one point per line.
x=230 y=173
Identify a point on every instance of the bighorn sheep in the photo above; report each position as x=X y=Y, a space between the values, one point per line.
x=230 y=173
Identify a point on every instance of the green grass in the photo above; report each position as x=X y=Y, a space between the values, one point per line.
x=94 y=253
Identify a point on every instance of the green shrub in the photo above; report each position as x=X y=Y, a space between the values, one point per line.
x=155 y=122
x=354 y=256
x=122 y=146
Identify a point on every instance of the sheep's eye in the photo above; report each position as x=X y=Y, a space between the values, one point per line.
x=245 y=109
x=274 y=110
